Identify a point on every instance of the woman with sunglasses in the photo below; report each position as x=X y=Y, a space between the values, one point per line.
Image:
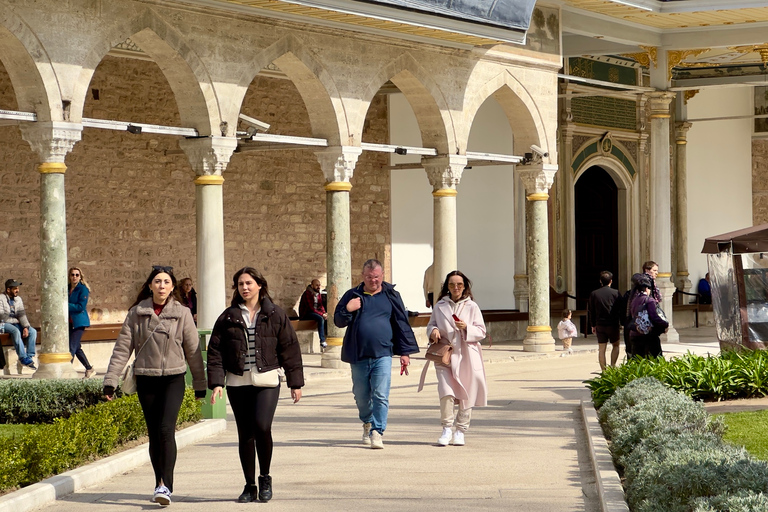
x=252 y=339
x=456 y=319
x=160 y=330
x=78 y=317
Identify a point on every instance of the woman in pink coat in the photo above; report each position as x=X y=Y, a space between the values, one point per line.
x=456 y=319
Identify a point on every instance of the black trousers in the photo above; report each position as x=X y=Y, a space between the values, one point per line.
x=254 y=409
x=160 y=399
x=74 y=346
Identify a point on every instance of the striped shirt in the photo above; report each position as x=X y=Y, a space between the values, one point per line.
x=234 y=380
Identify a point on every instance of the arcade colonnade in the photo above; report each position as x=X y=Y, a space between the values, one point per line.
x=50 y=52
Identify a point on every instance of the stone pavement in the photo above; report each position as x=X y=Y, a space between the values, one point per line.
x=526 y=451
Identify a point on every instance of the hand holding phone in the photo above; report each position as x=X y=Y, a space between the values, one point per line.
x=456 y=319
x=459 y=323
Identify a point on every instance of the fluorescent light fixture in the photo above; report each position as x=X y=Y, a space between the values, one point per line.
x=646 y=5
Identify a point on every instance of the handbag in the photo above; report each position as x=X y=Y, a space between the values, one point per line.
x=128 y=385
x=439 y=353
x=269 y=379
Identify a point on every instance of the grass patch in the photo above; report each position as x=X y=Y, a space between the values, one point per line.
x=748 y=429
x=11 y=431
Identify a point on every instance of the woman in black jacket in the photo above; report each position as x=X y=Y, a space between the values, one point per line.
x=252 y=339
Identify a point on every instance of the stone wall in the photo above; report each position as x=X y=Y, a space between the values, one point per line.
x=131 y=198
x=759 y=181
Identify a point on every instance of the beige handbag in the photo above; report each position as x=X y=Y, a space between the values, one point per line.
x=269 y=379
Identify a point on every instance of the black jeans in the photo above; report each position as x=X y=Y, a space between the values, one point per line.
x=74 y=346
x=160 y=399
x=254 y=410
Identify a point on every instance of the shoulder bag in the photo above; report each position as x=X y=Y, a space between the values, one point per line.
x=268 y=379
x=439 y=353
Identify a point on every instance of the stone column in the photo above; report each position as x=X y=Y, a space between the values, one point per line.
x=52 y=141
x=681 y=188
x=338 y=165
x=521 y=270
x=537 y=180
x=444 y=174
x=209 y=157
x=660 y=206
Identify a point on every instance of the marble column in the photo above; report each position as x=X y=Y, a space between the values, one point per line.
x=52 y=141
x=538 y=179
x=521 y=259
x=338 y=165
x=660 y=224
x=681 y=189
x=209 y=157
x=444 y=174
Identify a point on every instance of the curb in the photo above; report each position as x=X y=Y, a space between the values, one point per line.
x=51 y=489
x=609 y=489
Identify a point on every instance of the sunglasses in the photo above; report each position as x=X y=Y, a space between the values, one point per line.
x=160 y=268
x=73 y=274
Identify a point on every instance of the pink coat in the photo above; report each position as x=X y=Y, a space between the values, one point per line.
x=465 y=379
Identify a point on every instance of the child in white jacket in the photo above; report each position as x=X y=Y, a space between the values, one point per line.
x=566 y=331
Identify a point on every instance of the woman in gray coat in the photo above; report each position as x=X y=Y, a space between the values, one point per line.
x=162 y=333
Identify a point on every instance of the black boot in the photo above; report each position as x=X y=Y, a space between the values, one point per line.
x=249 y=494
x=265 y=488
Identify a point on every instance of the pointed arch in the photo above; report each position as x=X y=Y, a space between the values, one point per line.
x=522 y=111
x=29 y=68
x=425 y=97
x=185 y=72
x=314 y=82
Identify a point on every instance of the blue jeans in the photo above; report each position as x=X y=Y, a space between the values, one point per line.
x=371 y=379
x=320 y=324
x=25 y=354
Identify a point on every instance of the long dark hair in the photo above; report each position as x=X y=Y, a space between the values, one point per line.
x=146 y=292
x=237 y=299
x=467 y=285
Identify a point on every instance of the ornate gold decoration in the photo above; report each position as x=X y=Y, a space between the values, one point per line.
x=538 y=196
x=52 y=168
x=445 y=192
x=689 y=94
x=761 y=49
x=644 y=58
x=338 y=186
x=676 y=57
x=50 y=358
x=538 y=328
x=209 y=179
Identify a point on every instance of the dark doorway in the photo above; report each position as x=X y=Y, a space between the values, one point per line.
x=597 y=231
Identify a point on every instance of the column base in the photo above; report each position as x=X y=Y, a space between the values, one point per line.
x=539 y=342
x=56 y=370
x=332 y=354
x=671 y=336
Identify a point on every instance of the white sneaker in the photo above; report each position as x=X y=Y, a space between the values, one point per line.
x=445 y=437
x=367 y=434
x=458 y=438
x=162 y=496
x=377 y=443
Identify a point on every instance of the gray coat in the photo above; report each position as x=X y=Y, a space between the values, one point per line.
x=171 y=342
x=20 y=317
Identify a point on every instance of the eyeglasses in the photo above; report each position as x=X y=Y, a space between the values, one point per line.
x=455 y=285
x=160 y=268
x=73 y=274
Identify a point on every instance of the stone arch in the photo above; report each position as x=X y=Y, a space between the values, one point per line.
x=518 y=104
x=425 y=97
x=314 y=82
x=185 y=72
x=29 y=68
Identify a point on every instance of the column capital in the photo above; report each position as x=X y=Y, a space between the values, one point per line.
x=681 y=132
x=52 y=140
x=209 y=156
x=660 y=101
x=444 y=171
x=338 y=162
x=537 y=179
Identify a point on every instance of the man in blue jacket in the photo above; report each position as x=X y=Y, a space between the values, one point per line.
x=377 y=329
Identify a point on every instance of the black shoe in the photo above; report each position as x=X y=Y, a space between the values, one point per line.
x=249 y=494
x=265 y=488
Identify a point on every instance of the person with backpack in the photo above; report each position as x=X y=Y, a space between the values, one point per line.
x=648 y=321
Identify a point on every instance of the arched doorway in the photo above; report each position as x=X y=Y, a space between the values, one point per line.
x=597 y=230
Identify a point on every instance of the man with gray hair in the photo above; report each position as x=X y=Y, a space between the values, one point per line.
x=377 y=329
x=13 y=320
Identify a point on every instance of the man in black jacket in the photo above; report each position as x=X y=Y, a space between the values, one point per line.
x=377 y=328
x=604 y=318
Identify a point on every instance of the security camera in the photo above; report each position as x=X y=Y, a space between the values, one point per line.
x=536 y=149
x=254 y=125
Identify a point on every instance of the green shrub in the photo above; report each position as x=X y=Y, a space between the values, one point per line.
x=67 y=443
x=629 y=396
x=739 y=502
x=42 y=401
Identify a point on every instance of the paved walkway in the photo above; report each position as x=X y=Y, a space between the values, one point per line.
x=526 y=451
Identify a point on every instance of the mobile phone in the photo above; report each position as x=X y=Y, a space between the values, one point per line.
x=456 y=319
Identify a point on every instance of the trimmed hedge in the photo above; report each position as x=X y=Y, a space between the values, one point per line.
x=673 y=456
x=42 y=401
x=50 y=449
x=730 y=375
